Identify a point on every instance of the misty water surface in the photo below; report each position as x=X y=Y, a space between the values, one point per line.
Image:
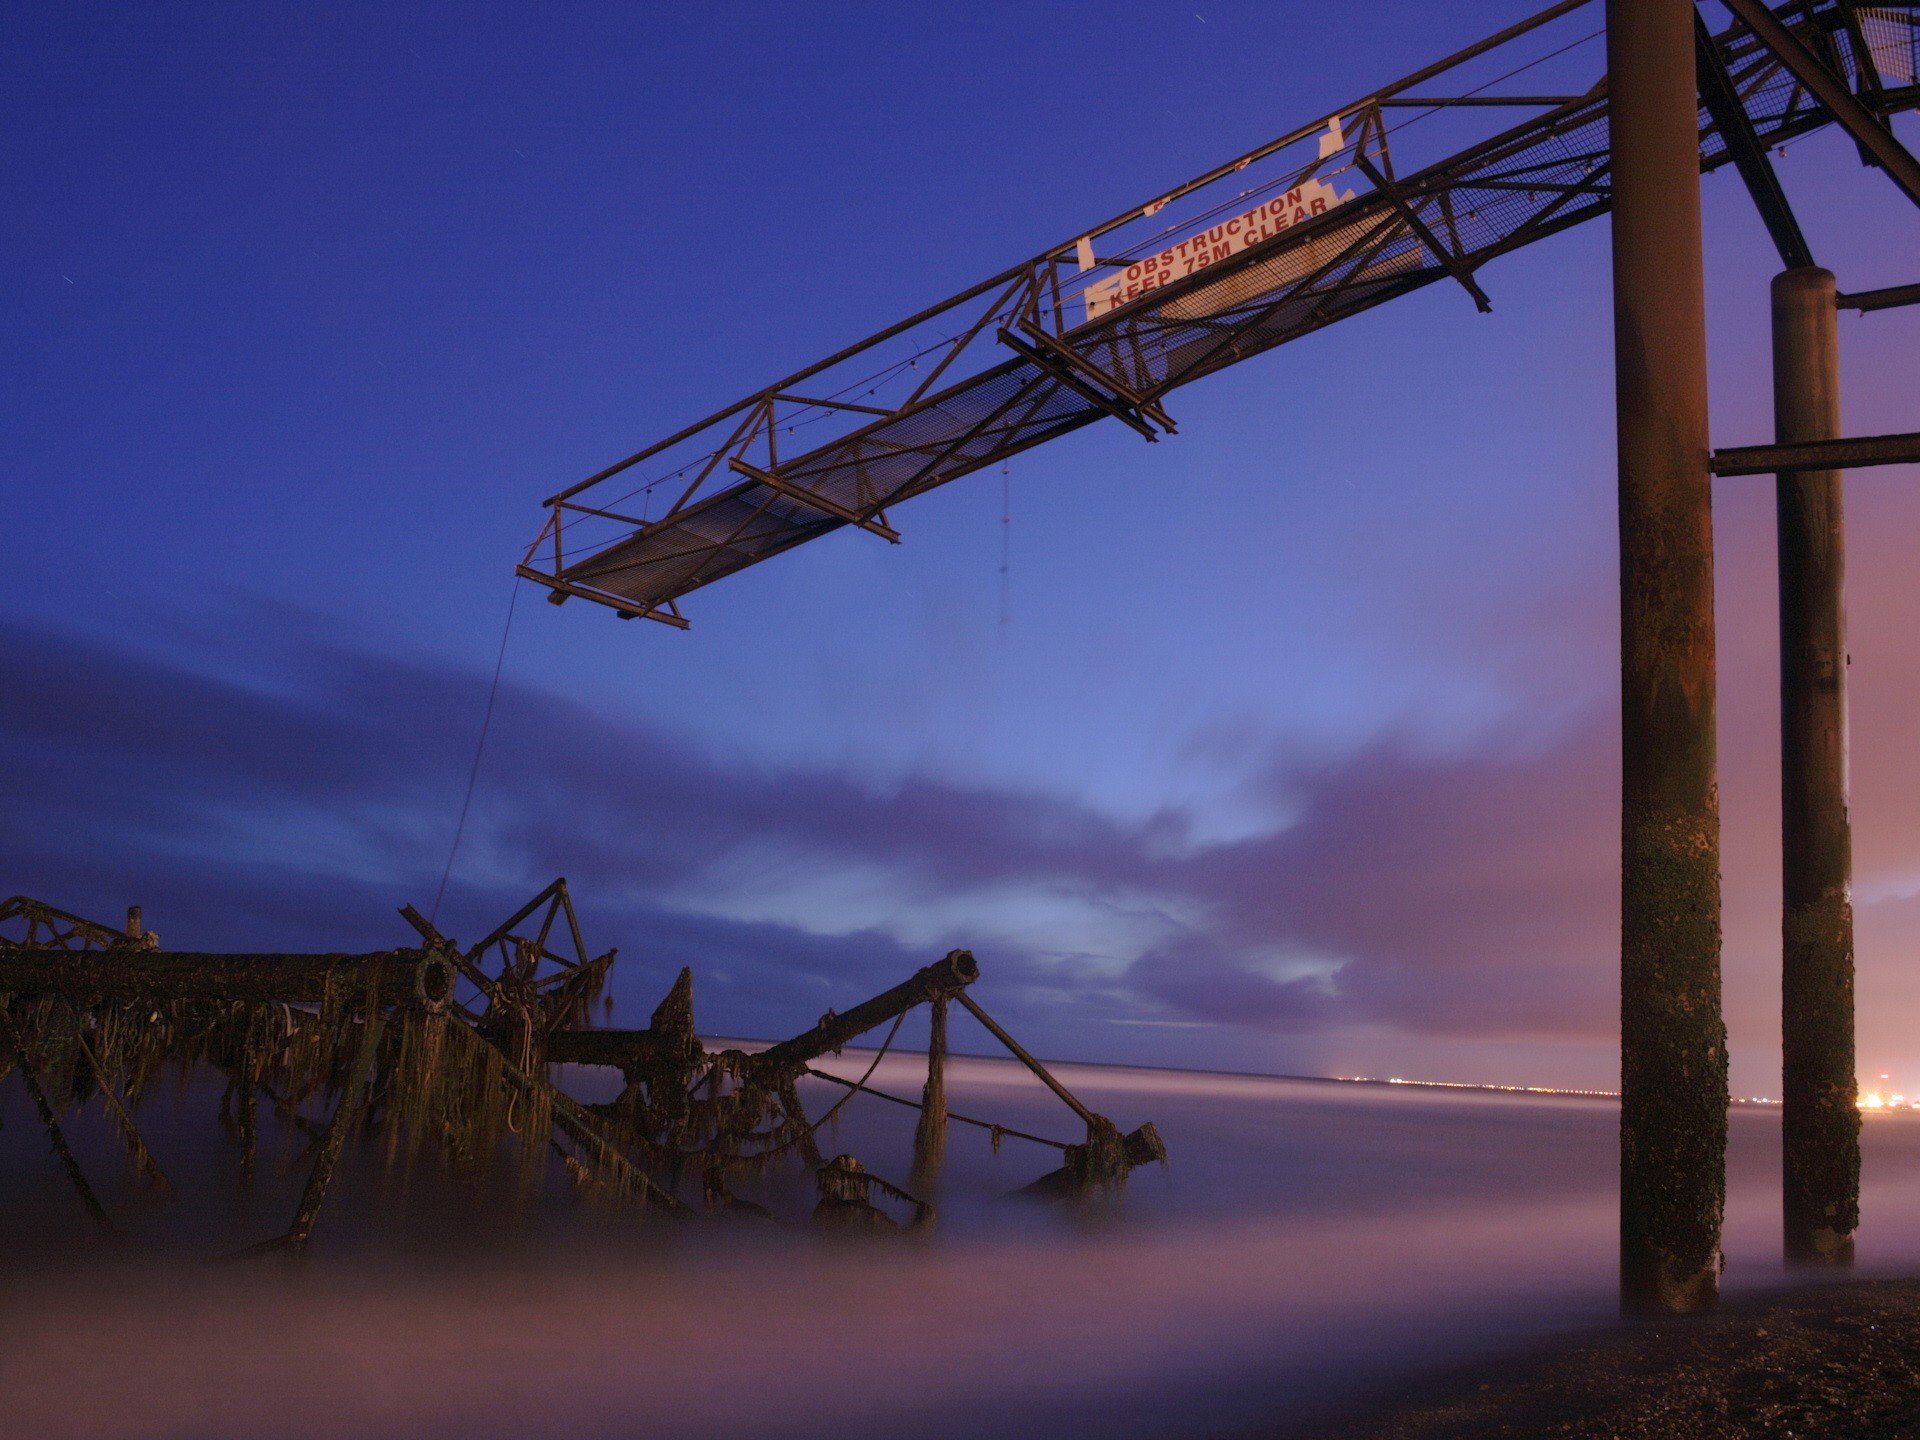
x=1309 y=1240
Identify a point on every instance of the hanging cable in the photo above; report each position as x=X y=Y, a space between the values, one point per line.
x=473 y=775
x=1006 y=543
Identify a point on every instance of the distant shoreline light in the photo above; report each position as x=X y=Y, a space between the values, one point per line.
x=1477 y=1085
x=1869 y=1100
x=1874 y=1100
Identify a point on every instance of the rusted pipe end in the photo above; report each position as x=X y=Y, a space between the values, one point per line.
x=1145 y=1147
x=433 y=980
x=961 y=967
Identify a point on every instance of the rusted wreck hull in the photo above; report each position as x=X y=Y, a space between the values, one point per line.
x=397 y=976
x=384 y=1042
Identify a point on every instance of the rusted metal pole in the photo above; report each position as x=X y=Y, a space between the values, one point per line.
x=583 y=1127
x=671 y=1039
x=349 y=1109
x=136 y=1144
x=954 y=1115
x=930 y=1135
x=1019 y=1053
x=1673 y=1059
x=946 y=977
x=399 y=975
x=628 y=1049
x=30 y=1077
x=1820 y=1122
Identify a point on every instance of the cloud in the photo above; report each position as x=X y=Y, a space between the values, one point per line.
x=288 y=790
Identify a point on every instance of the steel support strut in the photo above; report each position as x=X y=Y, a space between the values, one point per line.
x=1673 y=1065
x=1820 y=1125
x=1721 y=97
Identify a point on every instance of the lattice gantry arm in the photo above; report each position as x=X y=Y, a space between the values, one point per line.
x=1430 y=178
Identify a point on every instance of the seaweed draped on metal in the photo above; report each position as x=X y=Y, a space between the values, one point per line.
x=452 y=1051
x=1323 y=223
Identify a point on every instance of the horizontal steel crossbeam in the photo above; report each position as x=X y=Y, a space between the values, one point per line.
x=1851 y=454
x=1887 y=299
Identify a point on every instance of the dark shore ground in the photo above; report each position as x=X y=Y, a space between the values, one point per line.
x=1833 y=1362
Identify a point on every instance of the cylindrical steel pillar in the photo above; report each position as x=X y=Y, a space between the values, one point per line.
x=1820 y=1122
x=1673 y=1057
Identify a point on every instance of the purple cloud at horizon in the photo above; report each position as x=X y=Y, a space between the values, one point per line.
x=293 y=791
x=301 y=804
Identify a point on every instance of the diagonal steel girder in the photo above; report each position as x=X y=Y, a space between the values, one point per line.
x=1454 y=265
x=1722 y=99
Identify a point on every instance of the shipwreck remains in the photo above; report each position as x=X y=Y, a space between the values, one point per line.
x=437 y=1048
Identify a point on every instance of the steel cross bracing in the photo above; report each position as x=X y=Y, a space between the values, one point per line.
x=1325 y=222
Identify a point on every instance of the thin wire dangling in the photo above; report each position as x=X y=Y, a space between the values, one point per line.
x=1006 y=543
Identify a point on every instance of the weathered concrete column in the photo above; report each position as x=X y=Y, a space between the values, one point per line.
x=1673 y=1058
x=1820 y=1122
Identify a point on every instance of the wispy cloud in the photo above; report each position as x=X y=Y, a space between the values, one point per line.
x=294 y=791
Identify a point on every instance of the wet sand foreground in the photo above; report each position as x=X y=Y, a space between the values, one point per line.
x=1837 y=1362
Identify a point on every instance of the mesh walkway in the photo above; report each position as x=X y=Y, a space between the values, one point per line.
x=1306 y=231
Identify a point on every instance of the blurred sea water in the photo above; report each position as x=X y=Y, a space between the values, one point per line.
x=1308 y=1242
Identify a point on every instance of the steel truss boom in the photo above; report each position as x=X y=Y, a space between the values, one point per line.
x=1250 y=255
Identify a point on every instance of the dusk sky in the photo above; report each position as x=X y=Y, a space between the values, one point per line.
x=1297 y=748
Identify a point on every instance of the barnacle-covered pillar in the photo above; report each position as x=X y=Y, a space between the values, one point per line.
x=1673 y=1059
x=1820 y=1122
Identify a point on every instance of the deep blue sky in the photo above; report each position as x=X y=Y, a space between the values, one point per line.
x=1297 y=752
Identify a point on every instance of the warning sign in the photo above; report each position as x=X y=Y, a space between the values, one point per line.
x=1304 y=202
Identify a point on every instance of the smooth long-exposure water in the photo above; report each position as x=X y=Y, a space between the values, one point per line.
x=1309 y=1241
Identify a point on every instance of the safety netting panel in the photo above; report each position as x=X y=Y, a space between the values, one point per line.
x=1893 y=40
